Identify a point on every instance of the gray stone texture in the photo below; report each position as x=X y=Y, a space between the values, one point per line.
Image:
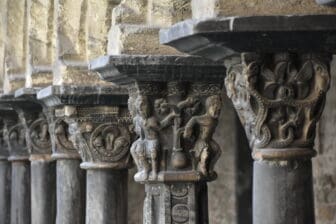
x=324 y=165
x=224 y=191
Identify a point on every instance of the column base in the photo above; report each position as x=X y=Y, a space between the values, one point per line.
x=167 y=203
x=283 y=192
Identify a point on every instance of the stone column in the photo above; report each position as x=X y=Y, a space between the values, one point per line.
x=5 y=169
x=20 y=212
x=279 y=94
x=77 y=101
x=102 y=134
x=33 y=125
x=42 y=168
x=279 y=101
x=70 y=179
x=175 y=108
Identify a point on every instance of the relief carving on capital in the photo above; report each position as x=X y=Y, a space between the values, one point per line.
x=175 y=124
x=39 y=137
x=102 y=136
x=3 y=143
x=17 y=140
x=279 y=99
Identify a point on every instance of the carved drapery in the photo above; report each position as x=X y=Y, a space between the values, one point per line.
x=279 y=98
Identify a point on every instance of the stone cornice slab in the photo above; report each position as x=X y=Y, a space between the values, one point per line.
x=125 y=69
x=219 y=38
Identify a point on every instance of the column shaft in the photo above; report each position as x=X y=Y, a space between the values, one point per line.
x=5 y=172
x=106 y=197
x=20 y=194
x=70 y=192
x=43 y=192
x=283 y=193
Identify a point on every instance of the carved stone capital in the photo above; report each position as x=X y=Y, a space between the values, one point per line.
x=102 y=135
x=175 y=122
x=62 y=147
x=279 y=98
x=4 y=151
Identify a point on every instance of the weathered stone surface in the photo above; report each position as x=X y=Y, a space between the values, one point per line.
x=165 y=13
x=106 y=199
x=70 y=192
x=222 y=37
x=217 y=8
x=130 y=12
x=43 y=191
x=5 y=191
x=20 y=193
x=136 y=39
x=324 y=163
x=39 y=52
x=16 y=31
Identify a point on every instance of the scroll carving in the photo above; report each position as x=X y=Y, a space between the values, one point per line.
x=279 y=99
x=102 y=139
x=17 y=140
x=39 y=136
x=175 y=128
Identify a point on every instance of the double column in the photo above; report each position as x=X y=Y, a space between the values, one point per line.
x=91 y=132
x=279 y=94
x=175 y=111
x=279 y=101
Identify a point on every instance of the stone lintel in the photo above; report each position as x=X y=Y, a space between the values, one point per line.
x=222 y=37
x=125 y=69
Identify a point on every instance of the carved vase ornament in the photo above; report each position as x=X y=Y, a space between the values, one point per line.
x=175 y=124
x=279 y=99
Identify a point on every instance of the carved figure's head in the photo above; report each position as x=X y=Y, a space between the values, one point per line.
x=142 y=106
x=213 y=106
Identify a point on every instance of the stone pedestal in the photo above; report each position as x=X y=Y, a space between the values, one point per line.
x=175 y=103
x=176 y=203
x=279 y=94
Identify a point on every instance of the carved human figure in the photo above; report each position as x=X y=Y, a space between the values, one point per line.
x=145 y=150
x=206 y=150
